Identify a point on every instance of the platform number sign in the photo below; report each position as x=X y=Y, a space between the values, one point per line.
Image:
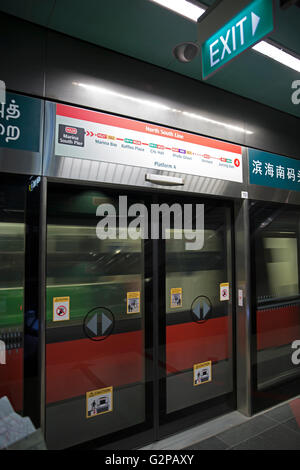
x=61 y=308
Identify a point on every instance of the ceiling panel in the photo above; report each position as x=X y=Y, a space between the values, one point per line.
x=144 y=30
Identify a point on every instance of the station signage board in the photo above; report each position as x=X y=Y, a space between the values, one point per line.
x=20 y=120
x=275 y=171
x=248 y=27
x=91 y=135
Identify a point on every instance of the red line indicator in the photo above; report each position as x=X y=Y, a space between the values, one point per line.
x=137 y=126
x=120 y=139
x=71 y=130
x=143 y=143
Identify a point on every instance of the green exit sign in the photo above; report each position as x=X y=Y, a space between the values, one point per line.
x=243 y=31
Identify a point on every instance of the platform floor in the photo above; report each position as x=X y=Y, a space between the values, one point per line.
x=277 y=428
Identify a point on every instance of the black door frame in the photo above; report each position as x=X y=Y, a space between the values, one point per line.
x=199 y=413
x=155 y=426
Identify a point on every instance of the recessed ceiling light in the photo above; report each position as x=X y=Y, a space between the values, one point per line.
x=278 y=54
x=182 y=7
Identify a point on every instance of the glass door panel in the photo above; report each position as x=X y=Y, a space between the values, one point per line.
x=12 y=245
x=199 y=363
x=95 y=353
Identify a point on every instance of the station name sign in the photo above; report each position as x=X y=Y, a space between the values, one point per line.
x=20 y=123
x=275 y=171
x=92 y=135
x=243 y=31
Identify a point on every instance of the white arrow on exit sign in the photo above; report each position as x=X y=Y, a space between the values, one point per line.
x=255 y=21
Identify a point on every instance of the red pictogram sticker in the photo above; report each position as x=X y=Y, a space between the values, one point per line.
x=61 y=310
x=237 y=162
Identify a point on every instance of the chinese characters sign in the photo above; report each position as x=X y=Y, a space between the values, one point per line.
x=20 y=122
x=268 y=169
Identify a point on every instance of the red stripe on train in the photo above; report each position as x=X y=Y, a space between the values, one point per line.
x=278 y=326
x=76 y=367
x=191 y=343
x=11 y=378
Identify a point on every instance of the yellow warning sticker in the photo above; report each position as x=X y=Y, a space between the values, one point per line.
x=99 y=402
x=224 y=291
x=202 y=373
x=176 y=297
x=133 y=302
x=61 y=308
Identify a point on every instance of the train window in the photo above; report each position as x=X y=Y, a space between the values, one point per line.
x=211 y=260
x=276 y=241
x=277 y=267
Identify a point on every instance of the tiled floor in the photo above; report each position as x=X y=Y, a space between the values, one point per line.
x=198 y=433
x=274 y=429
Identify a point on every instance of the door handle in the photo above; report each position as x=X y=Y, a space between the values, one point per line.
x=164 y=180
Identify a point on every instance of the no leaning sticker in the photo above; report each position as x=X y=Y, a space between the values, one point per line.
x=176 y=297
x=61 y=308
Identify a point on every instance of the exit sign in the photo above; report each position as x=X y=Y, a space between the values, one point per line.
x=243 y=31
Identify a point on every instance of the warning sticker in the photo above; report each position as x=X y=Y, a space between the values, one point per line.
x=61 y=308
x=224 y=291
x=202 y=373
x=99 y=402
x=133 y=302
x=176 y=297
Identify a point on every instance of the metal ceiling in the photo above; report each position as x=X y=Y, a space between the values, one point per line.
x=146 y=31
